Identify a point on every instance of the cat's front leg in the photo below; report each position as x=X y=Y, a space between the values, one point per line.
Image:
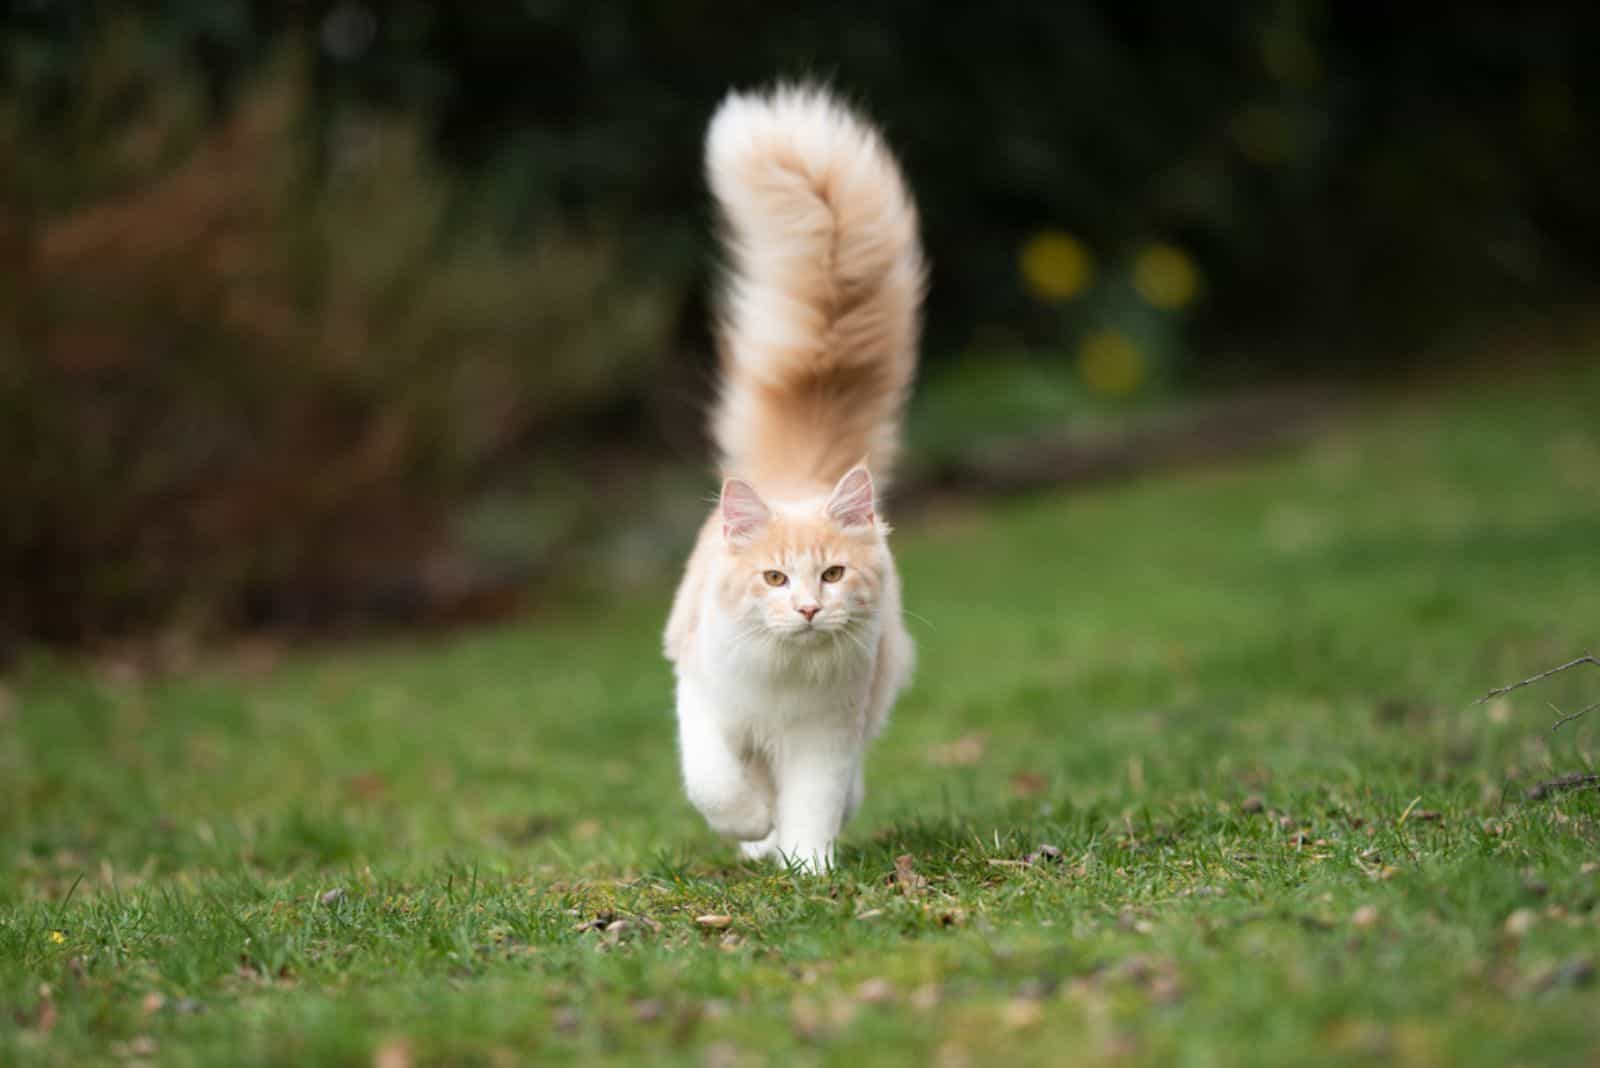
x=733 y=792
x=764 y=849
x=816 y=768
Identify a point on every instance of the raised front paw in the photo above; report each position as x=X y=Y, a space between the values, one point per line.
x=742 y=814
x=751 y=826
x=761 y=850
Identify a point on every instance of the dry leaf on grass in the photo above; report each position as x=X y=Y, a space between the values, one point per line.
x=1157 y=977
x=1046 y=853
x=45 y=1016
x=1028 y=784
x=392 y=1054
x=1574 y=972
x=905 y=875
x=1022 y=1013
x=805 y=1017
x=721 y=1055
x=875 y=991
x=366 y=786
x=964 y=752
x=1521 y=922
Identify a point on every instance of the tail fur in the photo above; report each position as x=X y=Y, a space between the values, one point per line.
x=825 y=281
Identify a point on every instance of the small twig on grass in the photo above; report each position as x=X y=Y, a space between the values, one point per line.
x=1503 y=690
x=1576 y=715
x=1577 y=780
x=1536 y=678
x=1561 y=785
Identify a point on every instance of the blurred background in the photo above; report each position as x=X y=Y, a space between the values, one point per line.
x=330 y=315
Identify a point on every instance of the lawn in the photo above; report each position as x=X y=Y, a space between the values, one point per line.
x=1237 y=704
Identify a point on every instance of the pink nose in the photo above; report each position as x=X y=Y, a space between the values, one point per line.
x=809 y=611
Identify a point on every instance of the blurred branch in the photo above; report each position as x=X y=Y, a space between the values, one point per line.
x=1576 y=715
x=1503 y=690
x=1240 y=424
x=1561 y=785
x=1536 y=678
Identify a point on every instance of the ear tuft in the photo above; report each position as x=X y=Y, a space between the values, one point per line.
x=851 y=503
x=744 y=513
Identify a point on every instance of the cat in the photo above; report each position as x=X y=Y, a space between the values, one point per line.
x=786 y=631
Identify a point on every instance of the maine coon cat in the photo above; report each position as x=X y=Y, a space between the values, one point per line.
x=786 y=630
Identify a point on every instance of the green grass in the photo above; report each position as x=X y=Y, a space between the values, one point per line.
x=1239 y=703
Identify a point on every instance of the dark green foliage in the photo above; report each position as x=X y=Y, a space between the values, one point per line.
x=231 y=354
x=235 y=386
x=1332 y=167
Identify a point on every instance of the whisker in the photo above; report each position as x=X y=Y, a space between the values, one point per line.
x=848 y=633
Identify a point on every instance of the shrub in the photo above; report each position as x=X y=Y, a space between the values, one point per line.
x=238 y=361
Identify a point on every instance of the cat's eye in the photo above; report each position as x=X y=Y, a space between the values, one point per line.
x=775 y=578
x=833 y=574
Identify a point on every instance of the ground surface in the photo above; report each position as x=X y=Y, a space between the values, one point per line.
x=1238 y=703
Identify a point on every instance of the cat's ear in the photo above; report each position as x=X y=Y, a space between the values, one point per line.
x=744 y=513
x=851 y=503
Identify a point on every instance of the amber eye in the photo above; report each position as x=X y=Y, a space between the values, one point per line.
x=833 y=574
x=776 y=578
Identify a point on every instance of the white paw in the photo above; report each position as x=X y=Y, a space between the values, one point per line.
x=762 y=850
x=750 y=821
x=742 y=826
x=810 y=860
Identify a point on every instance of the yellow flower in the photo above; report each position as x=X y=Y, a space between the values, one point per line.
x=1055 y=265
x=1111 y=363
x=58 y=938
x=1165 y=276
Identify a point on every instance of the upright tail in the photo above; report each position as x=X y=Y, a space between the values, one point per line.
x=821 y=306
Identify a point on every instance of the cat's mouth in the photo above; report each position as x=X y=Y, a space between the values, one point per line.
x=804 y=631
x=812 y=630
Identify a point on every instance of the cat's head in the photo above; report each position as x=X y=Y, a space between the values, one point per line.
x=803 y=571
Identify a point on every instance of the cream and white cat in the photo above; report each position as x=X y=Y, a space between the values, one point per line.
x=786 y=631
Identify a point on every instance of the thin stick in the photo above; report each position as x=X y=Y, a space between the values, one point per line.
x=1568 y=719
x=1566 y=782
x=1542 y=675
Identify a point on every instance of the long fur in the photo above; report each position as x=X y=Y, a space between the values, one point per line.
x=786 y=630
x=825 y=278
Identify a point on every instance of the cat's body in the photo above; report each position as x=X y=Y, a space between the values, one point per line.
x=786 y=631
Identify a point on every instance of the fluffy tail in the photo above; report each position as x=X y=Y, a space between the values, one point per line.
x=825 y=282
